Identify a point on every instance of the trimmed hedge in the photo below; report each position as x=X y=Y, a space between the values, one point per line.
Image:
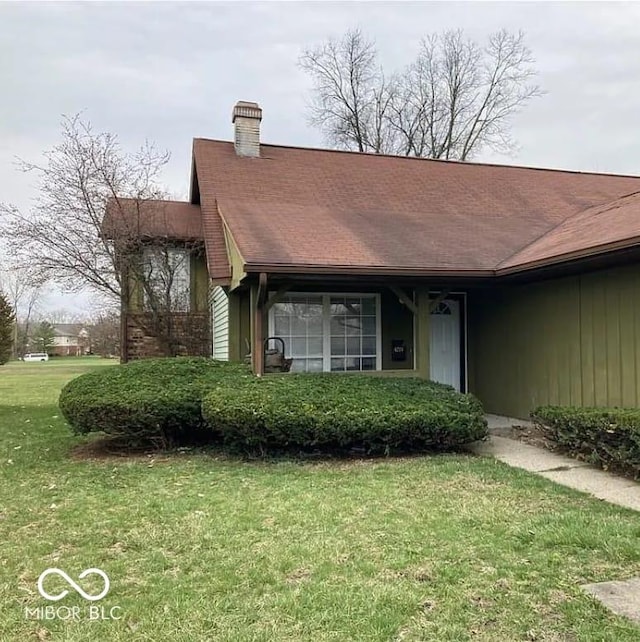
x=338 y=412
x=153 y=401
x=609 y=437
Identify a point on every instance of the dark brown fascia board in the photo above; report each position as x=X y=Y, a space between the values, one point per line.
x=342 y=270
x=194 y=186
x=149 y=239
x=547 y=264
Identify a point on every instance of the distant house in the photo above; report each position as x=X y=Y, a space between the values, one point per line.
x=521 y=285
x=70 y=339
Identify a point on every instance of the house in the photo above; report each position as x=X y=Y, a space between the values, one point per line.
x=69 y=339
x=518 y=284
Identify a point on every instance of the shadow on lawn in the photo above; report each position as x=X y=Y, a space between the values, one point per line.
x=102 y=447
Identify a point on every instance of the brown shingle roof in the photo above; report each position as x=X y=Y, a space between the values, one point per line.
x=593 y=230
x=217 y=256
x=174 y=220
x=129 y=218
x=308 y=208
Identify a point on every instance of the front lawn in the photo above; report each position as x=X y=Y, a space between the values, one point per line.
x=205 y=547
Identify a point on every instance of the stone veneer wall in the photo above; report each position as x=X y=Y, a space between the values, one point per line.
x=192 y=331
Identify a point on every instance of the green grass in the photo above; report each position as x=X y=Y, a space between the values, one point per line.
x=203 y=547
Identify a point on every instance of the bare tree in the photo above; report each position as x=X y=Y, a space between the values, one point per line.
x=351 y=95
x=104 y=334
x=100 y=215
x=62 y=315
x=60 y=236
x=23 y=289
x=455 y=98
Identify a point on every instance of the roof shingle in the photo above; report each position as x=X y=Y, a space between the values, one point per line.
x=296 y=207
x=131 y=218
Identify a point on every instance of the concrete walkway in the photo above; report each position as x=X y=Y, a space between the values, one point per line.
x=558 y=468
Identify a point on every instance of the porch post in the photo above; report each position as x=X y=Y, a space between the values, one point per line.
x=256 y=331
x=421 y=320
x=257 y=298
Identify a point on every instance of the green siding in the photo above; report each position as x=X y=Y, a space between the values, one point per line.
x=570 y=341
x=396 y=323
x=199 y=283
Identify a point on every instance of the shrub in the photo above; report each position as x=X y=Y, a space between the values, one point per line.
x=609 y=437
x=328 y=412
x=154 y=401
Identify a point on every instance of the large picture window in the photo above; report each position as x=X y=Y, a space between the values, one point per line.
x=167 y=275
x=328 y=332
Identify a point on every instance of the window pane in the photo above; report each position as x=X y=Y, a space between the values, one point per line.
x=314 y=365
x=368 y=345
x=353 y=306
x=281 y=326
x=298 y=365
x=337 y=364
x=298 y=324
x=354 y=326
x=353 y=345
x=337 y=345
x=167 y=273
x=314 y=347
x=298 y=347
x=368 y=325
x=337 y=325
x=368 y=363
x=352 y=364
x=368 y=305
x=314 y=323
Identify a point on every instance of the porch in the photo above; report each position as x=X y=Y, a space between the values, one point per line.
x=394 y=329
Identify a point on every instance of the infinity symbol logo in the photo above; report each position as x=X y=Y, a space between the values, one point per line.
x=70 y=582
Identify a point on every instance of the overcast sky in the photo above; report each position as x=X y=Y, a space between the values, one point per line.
x=171 y=71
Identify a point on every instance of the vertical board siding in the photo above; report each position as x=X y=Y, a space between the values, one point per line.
x=220 y=315
x=396 y=323
x=570 y=341
x=627 y=338
x=599 y=345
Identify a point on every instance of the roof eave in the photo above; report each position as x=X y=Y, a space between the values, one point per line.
x=559 y=259
x=352 y=270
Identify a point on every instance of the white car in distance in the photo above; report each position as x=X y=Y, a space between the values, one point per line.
x=36 y=356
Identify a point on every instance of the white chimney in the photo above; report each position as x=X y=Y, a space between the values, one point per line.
x=246 y=119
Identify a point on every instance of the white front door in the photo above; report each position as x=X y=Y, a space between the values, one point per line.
x=444 y=350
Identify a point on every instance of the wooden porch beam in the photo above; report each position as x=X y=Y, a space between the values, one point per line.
x=262 y=289
x=434 y=303
x=404 y=299
x=277 y=297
